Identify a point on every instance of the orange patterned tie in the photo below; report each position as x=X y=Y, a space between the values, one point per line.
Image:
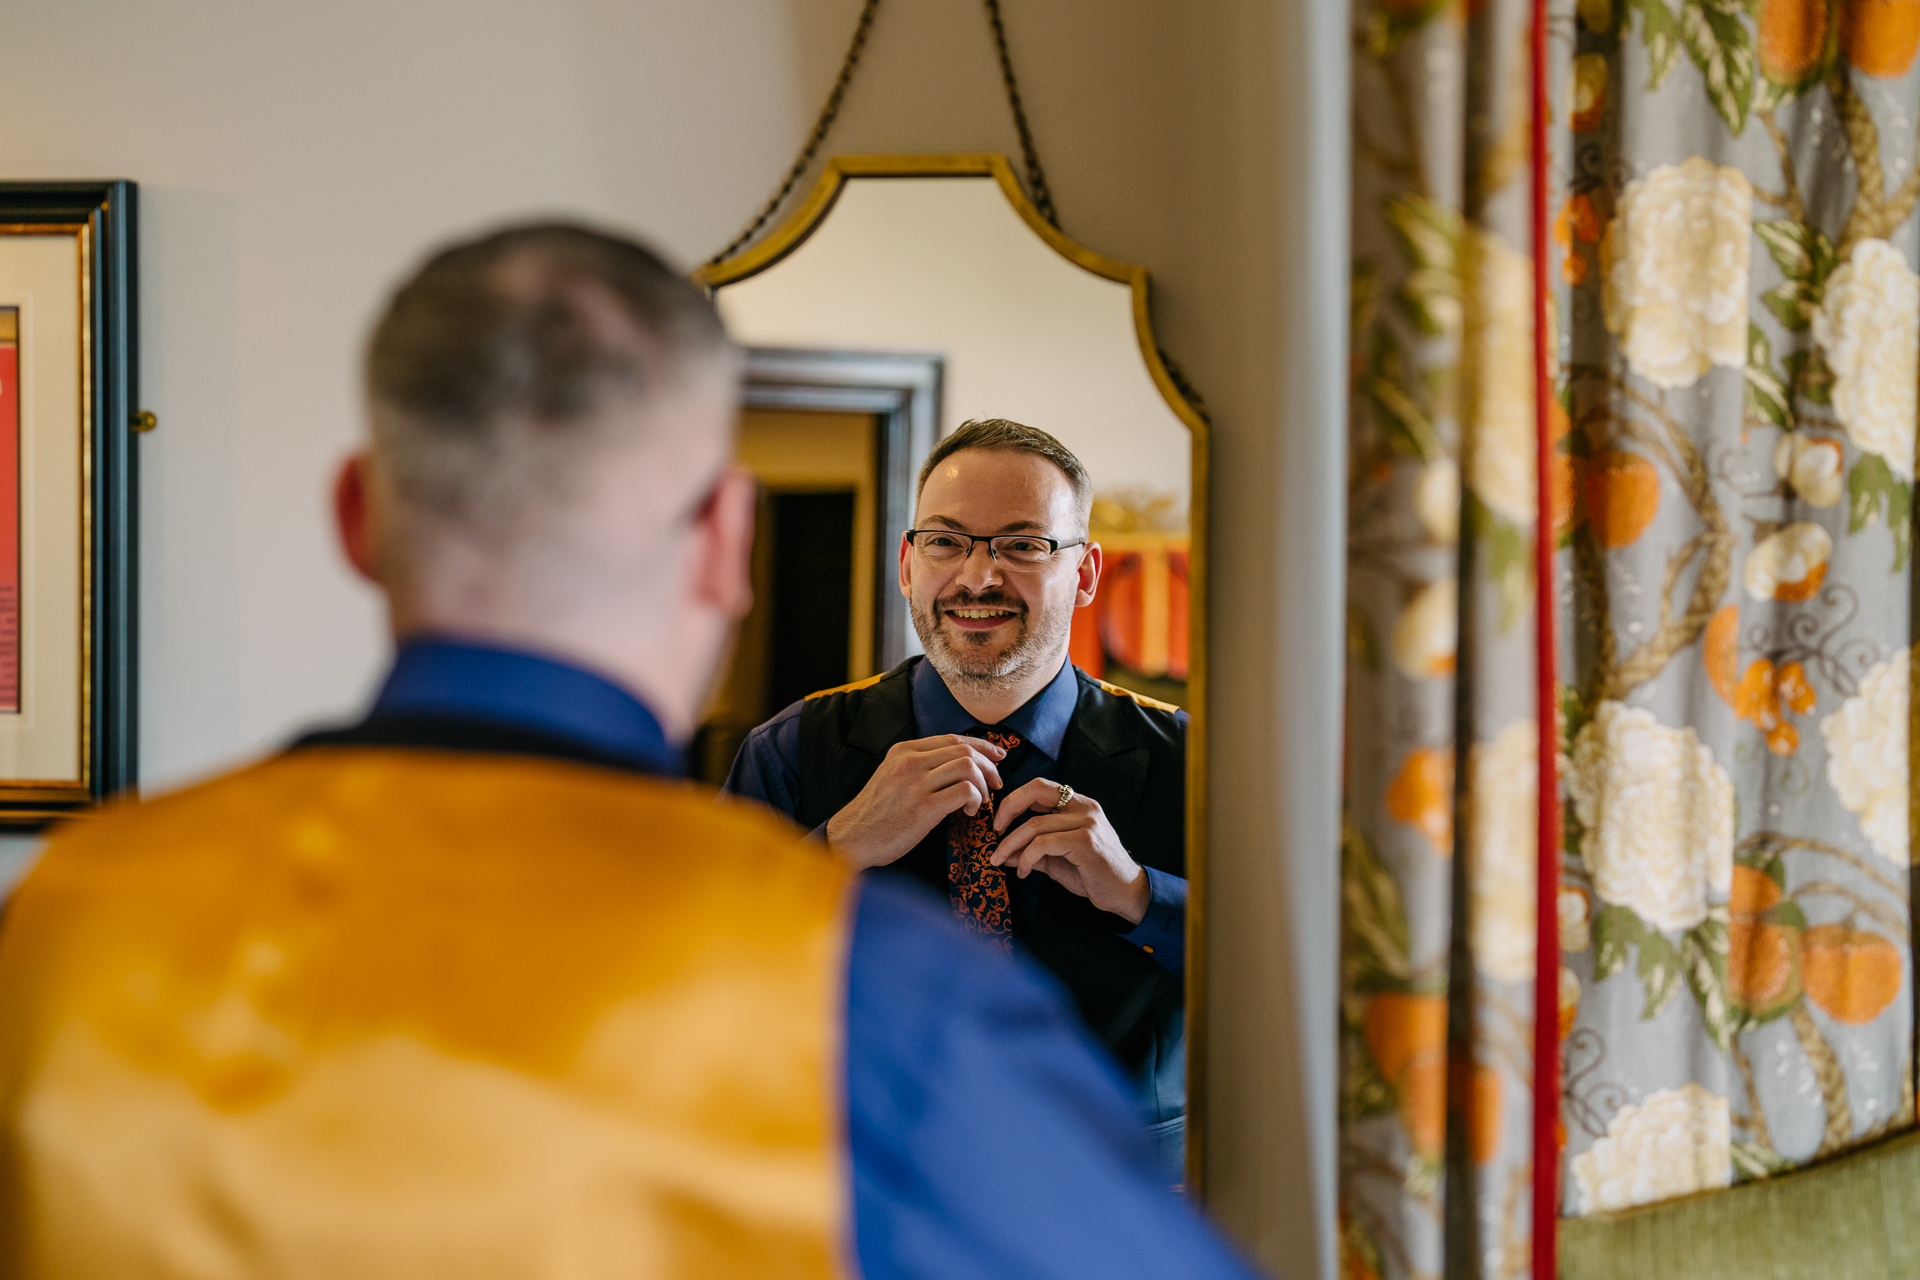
x=978 y=889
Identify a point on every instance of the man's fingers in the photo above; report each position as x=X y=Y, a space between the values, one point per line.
x=942 y=757
x=948 y=740
x=1050 y=845
x=1042 y=794
x=967 y=768
x=961 y=795
x=1027 y=832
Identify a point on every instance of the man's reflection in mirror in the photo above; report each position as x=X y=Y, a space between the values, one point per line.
x=1048 y=807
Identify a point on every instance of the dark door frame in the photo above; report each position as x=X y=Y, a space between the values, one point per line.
x=902 y=391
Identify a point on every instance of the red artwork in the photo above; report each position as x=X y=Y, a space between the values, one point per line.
x=10 y=509
x=1139 y=615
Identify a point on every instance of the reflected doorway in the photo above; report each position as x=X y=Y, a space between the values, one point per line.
x=834 y=439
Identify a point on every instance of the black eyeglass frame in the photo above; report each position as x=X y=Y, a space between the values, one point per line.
x=1054 y=545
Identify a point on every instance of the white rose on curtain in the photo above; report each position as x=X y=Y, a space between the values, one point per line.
x=1867 y=757
x=1869 y=324
x=1502 y=843
x=1658 y=811
x=1789 y=563
x=1814 y=467
x=1676 y=1142
x=1427 y=631
x=1496 y=375
x=1674 y=265
x=1436 y=500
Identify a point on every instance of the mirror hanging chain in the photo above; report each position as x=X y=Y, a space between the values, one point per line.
x=1036 y=177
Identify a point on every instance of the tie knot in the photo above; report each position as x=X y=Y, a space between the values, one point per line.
x=1001 y=738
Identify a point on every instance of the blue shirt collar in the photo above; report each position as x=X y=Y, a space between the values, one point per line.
x=1041 y=720
x=473 y=681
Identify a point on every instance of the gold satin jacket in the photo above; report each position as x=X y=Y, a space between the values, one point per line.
x=400 y=1014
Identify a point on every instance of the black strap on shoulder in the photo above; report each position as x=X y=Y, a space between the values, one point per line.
x=454 y=733
x=844 y=734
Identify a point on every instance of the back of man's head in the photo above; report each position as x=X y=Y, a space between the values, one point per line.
x=505 y=363
x=552 y=413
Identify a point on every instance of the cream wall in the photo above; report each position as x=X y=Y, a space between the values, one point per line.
x=294 y=158
x=947 y=265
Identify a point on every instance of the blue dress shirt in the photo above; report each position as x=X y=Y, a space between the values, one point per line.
x=768 y=770
x=987 y=1135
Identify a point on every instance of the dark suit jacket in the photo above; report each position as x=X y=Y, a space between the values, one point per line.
x=1126 y=753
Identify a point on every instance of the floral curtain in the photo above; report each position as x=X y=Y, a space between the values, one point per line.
x=1735 y=333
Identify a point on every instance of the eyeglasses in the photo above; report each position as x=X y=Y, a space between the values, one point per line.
x=1025 y=550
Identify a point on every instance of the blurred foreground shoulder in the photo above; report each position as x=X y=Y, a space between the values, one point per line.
x=990 y=1136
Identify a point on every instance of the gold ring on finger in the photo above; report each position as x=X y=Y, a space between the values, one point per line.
x=1066 y=797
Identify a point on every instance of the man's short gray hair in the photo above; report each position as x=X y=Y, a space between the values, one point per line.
x=493 y=366
x=1008 y=436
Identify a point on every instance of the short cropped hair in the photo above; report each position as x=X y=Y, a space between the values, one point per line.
x=496 y=361
x=1013 y=437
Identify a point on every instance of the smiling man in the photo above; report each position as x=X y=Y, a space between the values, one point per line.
x=1049 y=807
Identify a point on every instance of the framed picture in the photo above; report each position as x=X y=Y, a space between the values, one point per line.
x=68 y=517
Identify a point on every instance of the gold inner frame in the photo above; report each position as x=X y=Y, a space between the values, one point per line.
x=790 y=234
x=48 y=791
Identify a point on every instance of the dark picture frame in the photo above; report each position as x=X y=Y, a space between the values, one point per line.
x=102 y=218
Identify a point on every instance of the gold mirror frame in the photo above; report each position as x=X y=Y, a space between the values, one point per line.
x=791 y=234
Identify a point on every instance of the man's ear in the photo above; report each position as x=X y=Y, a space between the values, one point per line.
x=1090 y=565
x=723 y=568
x=906 y=567
x=355 y=518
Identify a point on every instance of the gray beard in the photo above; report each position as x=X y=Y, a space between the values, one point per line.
x=969 y=664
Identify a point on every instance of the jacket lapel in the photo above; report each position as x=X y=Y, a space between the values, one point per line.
x=1106 y=766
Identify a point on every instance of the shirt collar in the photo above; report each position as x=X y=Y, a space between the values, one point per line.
x=1041 y=720
x=471 y=681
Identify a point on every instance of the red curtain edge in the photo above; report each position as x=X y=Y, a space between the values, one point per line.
x=1546 y=996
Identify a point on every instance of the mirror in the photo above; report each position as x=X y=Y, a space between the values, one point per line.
x=905 y=297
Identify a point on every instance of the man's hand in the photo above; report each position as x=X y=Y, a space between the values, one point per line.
x=918 y=784
x=1076 y=845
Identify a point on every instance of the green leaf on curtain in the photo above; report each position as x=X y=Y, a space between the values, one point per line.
x=1767 y=395
x=1869 y=489
x=1388 y=27
x=1809 y=375
x=1429 y=234
x=1659 y=969
x=1771 y=93
x=1802 y=252
x=1574 y=714
x=1427 y=230
x=1373 y=918
x=1703 y=953
x=1765 y=859
x=1364 y=1091
x=1431 y=298
x=1751 y=1160
x=1900 y=521
x=1787 y=914
x=1409 y=429
x=1509 y=557
x=1661 y=34
x=1792 y=303
x=1613 y=930
x=1719 y=45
